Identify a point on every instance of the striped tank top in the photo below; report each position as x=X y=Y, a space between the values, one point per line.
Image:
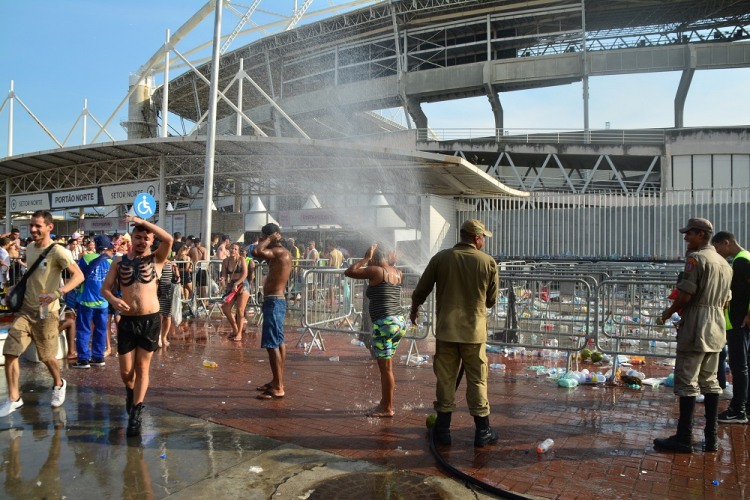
x=385 y=299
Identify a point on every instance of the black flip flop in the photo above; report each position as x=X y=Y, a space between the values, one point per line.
x=270 y=395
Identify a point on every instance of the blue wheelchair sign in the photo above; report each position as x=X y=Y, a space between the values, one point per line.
x=144 y=205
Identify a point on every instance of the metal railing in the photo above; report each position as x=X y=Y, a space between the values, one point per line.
x=321 y=314
x=546 y=136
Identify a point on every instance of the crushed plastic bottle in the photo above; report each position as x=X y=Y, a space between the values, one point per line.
x=544 y=446
x=43 y=310
x=333 y=358
x=497 y=366
x=210 y=364
x=358 y=342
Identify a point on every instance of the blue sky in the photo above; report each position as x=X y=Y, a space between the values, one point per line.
x=62 y=52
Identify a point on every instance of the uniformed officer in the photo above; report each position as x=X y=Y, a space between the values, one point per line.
x=702 y=296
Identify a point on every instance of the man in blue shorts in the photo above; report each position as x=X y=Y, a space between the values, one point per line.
x=279 y=261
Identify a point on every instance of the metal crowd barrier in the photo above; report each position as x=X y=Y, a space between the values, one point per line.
x=629 y=310
x=321 y=314
x=546 y=313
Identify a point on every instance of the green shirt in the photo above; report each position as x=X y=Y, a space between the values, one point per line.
x=465 y=282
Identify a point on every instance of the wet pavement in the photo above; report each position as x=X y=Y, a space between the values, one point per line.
x=215 y=436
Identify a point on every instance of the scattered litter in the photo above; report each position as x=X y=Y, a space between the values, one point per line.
x=294 y=373
x=223 y=402
x=715 y=483
x=162 y=456
x=38 y=483
x=255 y=469
x=306 y=495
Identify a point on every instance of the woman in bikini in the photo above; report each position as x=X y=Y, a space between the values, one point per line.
x=234 y=276
x=388 y=321
x=185 y=270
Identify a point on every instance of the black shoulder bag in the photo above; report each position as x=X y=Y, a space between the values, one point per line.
x=15 y=297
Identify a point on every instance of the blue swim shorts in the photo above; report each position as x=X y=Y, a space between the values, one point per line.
x=386 y=334
x=274 y=311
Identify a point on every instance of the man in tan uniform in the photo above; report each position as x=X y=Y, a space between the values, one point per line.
x=703 y=294
x=466 y=286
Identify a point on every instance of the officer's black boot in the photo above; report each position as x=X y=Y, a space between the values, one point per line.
x=134 y=422
x=484 y=434
x=442 y=428
x=128 y=400
x=711 y=434
x=682 y=442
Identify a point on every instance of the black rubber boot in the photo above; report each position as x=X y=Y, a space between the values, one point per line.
x=711 y=434
x=134 y=422
x=682 y=442
x=128 y=400
x=484 y=434
x=442 y=428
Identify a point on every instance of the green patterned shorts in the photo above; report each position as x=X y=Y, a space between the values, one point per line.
x=386 y=334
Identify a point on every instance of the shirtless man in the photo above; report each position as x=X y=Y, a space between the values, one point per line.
x=140 y=324
x=197 y=253
x=274 y=306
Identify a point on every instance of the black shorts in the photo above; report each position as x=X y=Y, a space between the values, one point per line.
x=141 y=331
x=201 y=278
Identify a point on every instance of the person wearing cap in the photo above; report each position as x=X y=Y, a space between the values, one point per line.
x=737 y=318
x=279 y=261
x=92 y=308
x=702 y=296
x=465 y=282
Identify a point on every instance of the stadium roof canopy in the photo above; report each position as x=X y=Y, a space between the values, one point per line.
x=267 y=165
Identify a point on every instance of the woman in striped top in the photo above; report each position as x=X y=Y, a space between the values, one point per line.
x=388 y=322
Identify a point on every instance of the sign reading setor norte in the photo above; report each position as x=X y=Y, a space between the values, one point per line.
x=125 y=193
x=29 y=202
x=80 y=198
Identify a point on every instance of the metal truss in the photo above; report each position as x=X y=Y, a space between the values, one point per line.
x=572 y=178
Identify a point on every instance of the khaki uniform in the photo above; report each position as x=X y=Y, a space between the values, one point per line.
x=465 y=281
x=702 y=334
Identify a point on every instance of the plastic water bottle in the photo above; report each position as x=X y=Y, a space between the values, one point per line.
x=357 y=342
x=497 y=366
x=43 y=310
x=544 y=446
x=210 y=364
x=333 y=358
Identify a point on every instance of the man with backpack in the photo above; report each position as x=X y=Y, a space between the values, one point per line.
x=37 y=318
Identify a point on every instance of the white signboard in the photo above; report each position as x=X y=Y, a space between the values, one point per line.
x=29 y=202
x=80 y=198
x=125 y=193
x=101 y=225
x=168 y=224
x=24 y=231
x=178 y=224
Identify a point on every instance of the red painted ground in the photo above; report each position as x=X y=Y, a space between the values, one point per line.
x=602 y=435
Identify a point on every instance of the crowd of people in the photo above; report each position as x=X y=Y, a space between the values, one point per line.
x=127 y=281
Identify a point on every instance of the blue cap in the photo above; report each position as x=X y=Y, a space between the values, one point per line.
x=103 y=241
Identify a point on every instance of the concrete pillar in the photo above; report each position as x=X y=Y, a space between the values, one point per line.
x=497 y=108
x=414 y=108
x=684 y=86
x=141 y=119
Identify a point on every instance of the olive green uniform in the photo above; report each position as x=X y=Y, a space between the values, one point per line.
x=702 y=335
x=465 y=281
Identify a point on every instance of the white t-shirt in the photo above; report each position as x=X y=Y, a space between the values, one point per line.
x=5 y=258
